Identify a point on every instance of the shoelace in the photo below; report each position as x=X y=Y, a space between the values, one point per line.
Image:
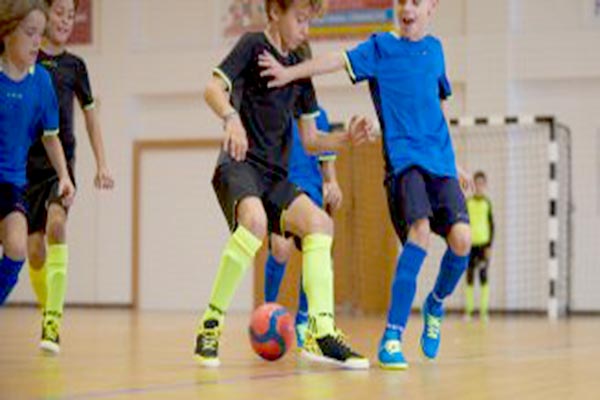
x=433 y=326
x=341 y=340
x=393 y=346
x=209 y=340
x=51 y=330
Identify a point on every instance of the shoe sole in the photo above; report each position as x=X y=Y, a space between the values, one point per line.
x=49 y=347
x=393 y=367
x=352 y=364
x=207 y=362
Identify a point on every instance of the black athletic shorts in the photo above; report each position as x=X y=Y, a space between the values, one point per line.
x=233 y=181
x=415 y=194
x=41 y=192
x=11 y=199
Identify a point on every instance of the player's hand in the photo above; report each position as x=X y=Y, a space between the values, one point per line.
x=236 y=140
x=66 y=190
x=361 y=130
x=104 y=179
x=280 y=75
x=466 y=180
x=332 y=195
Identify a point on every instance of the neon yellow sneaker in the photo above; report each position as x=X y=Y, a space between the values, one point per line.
x=207 y=344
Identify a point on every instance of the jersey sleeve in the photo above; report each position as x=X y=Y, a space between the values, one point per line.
x=49 y=121
x=445 y=89
x=83 y=89
x=361 y=60
x=306 y=102
x=236 y=62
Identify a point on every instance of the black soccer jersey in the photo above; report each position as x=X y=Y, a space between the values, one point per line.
x=70 y=78
x=266 y=113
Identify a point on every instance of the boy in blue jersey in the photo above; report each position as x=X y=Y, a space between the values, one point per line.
x=315 y=175
x=407 y=78
x=28 y=103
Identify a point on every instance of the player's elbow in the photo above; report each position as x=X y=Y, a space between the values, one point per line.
x=212 y=89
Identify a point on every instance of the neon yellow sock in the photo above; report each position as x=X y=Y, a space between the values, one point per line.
x=485 y=299
x=317 y=274
x=469 y=299
x=37 y=277
x=237 y=257
x=56 y=277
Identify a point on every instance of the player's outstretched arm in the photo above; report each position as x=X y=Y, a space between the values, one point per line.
x=281 y=75
x=360 y=130
x=217 y=98
x=54 y=148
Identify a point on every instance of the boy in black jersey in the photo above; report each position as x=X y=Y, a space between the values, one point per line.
x=251 y=182
x=47 y=248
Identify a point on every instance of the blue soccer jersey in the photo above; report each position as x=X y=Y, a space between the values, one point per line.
x=407 y=81
x=304 y=168
x=26 y=106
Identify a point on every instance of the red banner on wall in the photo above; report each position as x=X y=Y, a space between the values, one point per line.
x=82 y=31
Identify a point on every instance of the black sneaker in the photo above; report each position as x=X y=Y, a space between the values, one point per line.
x=207 y=344
x=50 y=342
x=333 y=349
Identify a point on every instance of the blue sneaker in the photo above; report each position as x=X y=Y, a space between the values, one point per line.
x=432 y=321
x=301 y=326
x=390 y=351
x=301 y=329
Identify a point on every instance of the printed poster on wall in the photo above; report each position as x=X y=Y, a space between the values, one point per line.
x=82 y=31
x=344 y=19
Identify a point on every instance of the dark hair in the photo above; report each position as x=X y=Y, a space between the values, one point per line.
x=316 y=5
x=480 y=174
x=12 y=12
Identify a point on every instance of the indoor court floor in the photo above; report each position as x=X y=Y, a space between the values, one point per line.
x=124 y=354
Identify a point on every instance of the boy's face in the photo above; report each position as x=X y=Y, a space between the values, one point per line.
x=480 y=186
x=61 y=21
x=414 y=17
x=23 y=44
x=293 y=24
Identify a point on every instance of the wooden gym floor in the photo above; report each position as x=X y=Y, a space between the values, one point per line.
x=122 y=354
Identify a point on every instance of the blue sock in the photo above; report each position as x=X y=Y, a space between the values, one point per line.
x=302 y=315
x=404 y=286
x=451 y=271
x=9 y=274
x=274 y=271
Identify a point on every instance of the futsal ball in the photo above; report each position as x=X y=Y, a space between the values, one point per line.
x=271 y=331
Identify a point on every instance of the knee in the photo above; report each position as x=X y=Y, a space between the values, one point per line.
x=56 y=231
x=460 y=240
x=36 y=253
x=281 y=250
x=419 y=233
x=320 y=222
x=255 y=223
x=15 y=247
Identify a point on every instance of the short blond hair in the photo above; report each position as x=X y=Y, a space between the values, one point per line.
x=317 y=6
x=12 y=12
